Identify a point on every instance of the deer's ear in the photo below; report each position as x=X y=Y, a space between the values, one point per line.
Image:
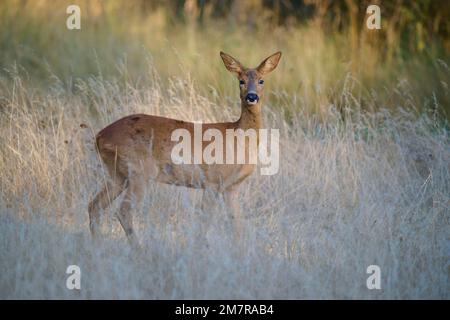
x=269 y=63
x=231 y=63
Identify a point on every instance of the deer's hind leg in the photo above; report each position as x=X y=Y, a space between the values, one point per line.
x=132 y=198
x=110 y=191
x=139 y=175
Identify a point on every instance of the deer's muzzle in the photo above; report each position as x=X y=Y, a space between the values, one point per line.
x=252 y=98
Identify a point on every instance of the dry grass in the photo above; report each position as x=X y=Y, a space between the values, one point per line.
x=371 y=190
x=364 y=175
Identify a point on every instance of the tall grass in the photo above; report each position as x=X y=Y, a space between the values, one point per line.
x=371 y=190
x=364 y=165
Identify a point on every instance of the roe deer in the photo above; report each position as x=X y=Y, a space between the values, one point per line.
x=137 y=148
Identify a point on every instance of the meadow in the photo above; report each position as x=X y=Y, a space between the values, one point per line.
x=364 y=159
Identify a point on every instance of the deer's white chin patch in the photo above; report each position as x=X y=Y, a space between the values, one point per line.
x=251 y=103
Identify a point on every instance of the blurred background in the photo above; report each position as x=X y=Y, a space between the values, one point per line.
x=326 y=47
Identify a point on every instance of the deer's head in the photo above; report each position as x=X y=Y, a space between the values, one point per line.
x=251 y=82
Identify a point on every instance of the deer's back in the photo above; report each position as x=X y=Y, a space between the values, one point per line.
x=141 y=139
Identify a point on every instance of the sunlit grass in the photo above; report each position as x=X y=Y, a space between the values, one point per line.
x=371 y=190
x=364 y=149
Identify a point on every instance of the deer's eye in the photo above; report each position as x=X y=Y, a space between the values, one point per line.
x=261 y=81
x=241 y=82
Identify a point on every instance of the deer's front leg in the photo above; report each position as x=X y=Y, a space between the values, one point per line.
x=234 y=209
x=210 y=199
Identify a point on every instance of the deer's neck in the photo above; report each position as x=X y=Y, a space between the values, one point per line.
x=251 y=117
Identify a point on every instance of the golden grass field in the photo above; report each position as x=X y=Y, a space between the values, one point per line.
x=364 y=160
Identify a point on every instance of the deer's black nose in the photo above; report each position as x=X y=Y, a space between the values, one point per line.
x=252 y=97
